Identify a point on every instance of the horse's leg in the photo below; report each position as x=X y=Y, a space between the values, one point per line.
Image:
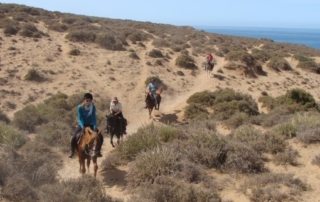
x=150 y=111
x=88 y=164
x=118 y=139
x=111 y=139
x=95 y=166
x=82 y=164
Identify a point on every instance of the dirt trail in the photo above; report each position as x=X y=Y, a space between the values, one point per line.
x=137 y=117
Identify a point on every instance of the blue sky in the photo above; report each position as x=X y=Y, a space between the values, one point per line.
x=242 y=13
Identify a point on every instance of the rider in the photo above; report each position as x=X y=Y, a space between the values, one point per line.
x=210 y=59
x=86 y=117
x=152 y=90
x=116 y=111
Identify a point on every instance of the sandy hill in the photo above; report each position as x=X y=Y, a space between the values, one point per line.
x=43 y=53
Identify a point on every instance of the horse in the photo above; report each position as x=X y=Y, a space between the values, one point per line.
x=208 y=68
x=115 y=127
x=86 y=149
x=152 y=103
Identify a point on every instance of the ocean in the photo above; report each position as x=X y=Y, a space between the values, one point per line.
x=308 y=37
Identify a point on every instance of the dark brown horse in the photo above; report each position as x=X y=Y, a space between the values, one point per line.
x=86 y=149
x=115 y=127
x=151 y=103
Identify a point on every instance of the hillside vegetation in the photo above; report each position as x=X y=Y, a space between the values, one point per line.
x=248 y=131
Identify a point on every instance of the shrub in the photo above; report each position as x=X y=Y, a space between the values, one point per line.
x=265 y=187
x=27 y=118
x=240 y=56
x=316 y=160
x=286 y=130
x=195 y=111
x=81 y=36
x=298 y=99
x=4 y=118
x=55 y=134
x=10 y=136
x=204 y=98
x=11 y=29
x=152 y=164
x=307 y=63
x=155 y=53
x=278 y=64
x=19 y=189
x=287 y=157
x=34 y=75
x=58 y=27
x=146 y=138
x=134 y=56
x=185 y=61
x=110 y=42
x=268 y=102
x=74 y=52
x=225 y=103
x=249 y=136
x=237 y=119
x=243 y=159
x=309 y=66
x=85 y=188
x=309 y=136
x=29 y=30
x=170 y=190
x=260 y=55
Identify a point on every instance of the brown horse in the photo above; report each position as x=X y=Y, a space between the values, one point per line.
x=151 y=103
x=86 y=149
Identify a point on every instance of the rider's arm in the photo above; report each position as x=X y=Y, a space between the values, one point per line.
x=79 y=117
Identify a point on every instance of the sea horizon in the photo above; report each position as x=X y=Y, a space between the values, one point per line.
x=300 y=36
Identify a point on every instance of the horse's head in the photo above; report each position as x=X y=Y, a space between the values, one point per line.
x=89 y=139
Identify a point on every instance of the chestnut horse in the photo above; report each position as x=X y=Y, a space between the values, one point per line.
x=152 y=103
x=86 y=149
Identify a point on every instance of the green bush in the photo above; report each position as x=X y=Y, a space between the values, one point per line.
x=4 y=118
x=85 y=188
x=185 y=61
x=81 y=36
x=34 y=75
x=261 y=55
x=29 y=30
x=57 y=108
x=307 y=63
x=134 y=56
x=196 y=111
x=152 y=164
x=287 y=157
x=241 y=56
x=265 y=187
x=316 y=160
x=171 y=190
x=146 y=138
x=278 y=64
x=18 y=188
x=56 y=134
x=11 y=29
x=155 y=53
x=204 y=98
x=299 y=99
x=27 y=118
x=110 y=42
x=74 y=52
x=10 y=136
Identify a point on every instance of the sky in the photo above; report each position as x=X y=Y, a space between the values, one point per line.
x=201 y=13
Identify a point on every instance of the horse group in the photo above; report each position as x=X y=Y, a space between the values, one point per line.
x=86 y=147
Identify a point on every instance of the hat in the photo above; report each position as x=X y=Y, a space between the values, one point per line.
x=114 y=99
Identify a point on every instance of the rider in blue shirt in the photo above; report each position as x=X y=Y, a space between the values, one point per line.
x=86 y=117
